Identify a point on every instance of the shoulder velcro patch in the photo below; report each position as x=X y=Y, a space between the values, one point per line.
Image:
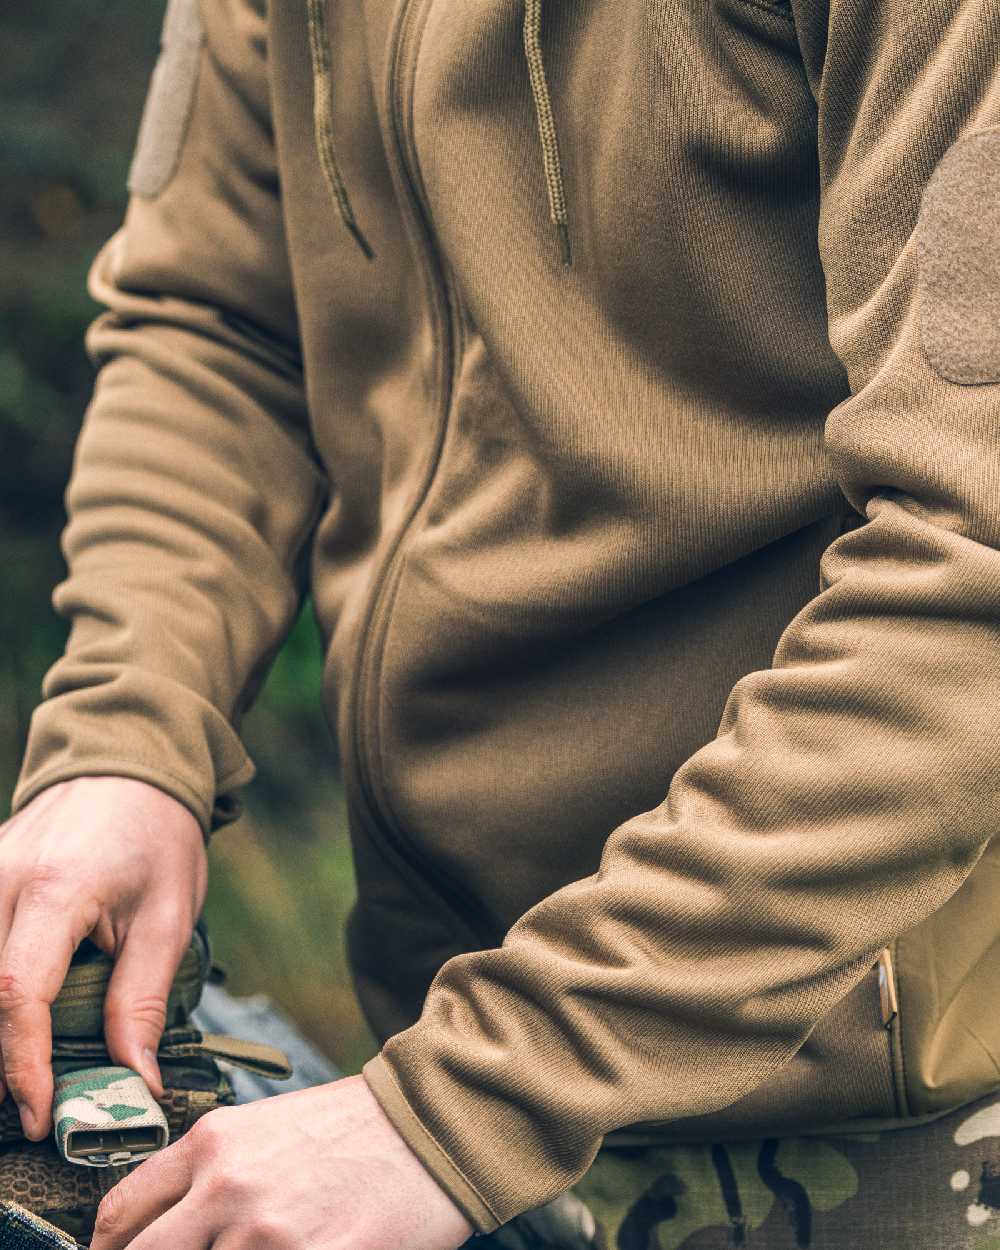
x=171 y=96
x=958 y=247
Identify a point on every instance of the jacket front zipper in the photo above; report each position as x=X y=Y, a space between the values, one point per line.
x=363 y=712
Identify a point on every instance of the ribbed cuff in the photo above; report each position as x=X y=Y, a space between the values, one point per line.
x=225 y=808
x=127 y=722
x=430 y=1153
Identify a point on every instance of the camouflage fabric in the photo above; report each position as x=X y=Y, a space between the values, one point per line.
x=934 y=1186
x=33 y=1174
x=106 y=1116
x=96 y=1099
x=78 y=1011
x=181 y=1106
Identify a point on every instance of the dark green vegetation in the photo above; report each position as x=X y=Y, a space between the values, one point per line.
x=72 y=79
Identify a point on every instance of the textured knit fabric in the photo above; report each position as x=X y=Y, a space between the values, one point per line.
x=660 y=589
x=960 y=264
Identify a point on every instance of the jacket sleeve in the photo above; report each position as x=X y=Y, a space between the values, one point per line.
x=195 y=489
x=853 y=785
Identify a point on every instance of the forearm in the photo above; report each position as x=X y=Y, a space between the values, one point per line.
x=195 y=487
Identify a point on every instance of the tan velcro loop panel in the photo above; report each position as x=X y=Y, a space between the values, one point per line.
x=959 y=258
x=167 y=112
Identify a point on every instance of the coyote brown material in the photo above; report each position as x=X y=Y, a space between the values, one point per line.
x=589 y=365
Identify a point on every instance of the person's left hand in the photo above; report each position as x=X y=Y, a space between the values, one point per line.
x=317 y=1169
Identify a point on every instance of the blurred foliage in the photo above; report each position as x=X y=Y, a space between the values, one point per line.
x=72 y=81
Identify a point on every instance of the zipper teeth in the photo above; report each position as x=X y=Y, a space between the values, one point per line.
x=373 y=637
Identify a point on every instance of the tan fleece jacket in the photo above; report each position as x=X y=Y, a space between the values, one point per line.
x=624 y=381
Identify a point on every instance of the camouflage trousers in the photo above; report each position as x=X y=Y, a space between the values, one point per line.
x=935 y=1186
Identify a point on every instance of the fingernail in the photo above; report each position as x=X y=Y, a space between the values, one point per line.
x=28 y=1121
x=150 y=1066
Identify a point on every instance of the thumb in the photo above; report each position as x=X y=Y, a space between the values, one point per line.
x=135 y=1009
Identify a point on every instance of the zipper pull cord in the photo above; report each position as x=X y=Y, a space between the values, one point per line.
x=546 y=124
x=319 y=51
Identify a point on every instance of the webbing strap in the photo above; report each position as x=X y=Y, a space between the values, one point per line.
x=256 y=1057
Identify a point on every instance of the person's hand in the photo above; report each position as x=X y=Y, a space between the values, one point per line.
x=320 y=1169
x=117 y=861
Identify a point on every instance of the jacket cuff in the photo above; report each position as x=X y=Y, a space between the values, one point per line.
x=140 y=725
x=428 y=1150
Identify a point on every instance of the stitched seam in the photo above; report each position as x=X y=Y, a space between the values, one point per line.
x=436 y=1144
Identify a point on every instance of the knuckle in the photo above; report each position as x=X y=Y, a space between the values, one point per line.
x=267 y=1231
x=25 y=1081
x=17 y=1073
x=227 y=1184
x=17 y=1088
x=207 y=1136
x=42 y=880
x=13 y=992
x=176 y=1161
x=174 y=922
x=145 y=1009
x=109 y=1213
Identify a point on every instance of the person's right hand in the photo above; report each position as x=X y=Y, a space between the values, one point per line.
x=108 y=858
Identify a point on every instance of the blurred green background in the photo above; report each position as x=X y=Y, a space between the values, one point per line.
x=73 y=77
